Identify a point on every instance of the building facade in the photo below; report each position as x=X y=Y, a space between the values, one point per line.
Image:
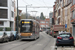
x=7 y=13
x=63 y=14
x=45 y=23
x=66 y=7
x=73 y=16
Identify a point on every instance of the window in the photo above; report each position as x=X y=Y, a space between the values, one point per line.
x=58 y=20
x=74 y=14
x=47 y=26
x=51 y=14
x=3 y=3
x=12 y=13
x=69 y=1
x=65 y=2
x=13 y=3
x=73 y=2
x=42 y=25
x=60 y=0
x=42 y=22
x=59 y=12
x=3 y=13
x=46 y=22
x=1 y=23
x=50 y=20
x=66 y=12
x=65 y=35
x=62 y=3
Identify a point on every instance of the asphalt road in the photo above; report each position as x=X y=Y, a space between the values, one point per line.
x=45 y=42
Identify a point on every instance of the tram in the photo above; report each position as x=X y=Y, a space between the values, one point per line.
x=29 y=29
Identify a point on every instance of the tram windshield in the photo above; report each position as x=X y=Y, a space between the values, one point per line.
x=26 y=27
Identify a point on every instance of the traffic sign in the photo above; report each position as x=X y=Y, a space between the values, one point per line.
x=65 y=25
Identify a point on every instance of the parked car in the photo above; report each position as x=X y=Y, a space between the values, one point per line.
x=51 y=33
x=10 y=35
x=47 y=31
x=16 y=36
x=3 y=37
x=40 y=30
x=65 y=38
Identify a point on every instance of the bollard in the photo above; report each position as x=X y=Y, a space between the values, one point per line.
x=56 y=48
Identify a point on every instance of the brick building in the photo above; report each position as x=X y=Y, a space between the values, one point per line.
x=44 y=23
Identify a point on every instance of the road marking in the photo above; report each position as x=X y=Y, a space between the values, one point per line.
x=39 y=44
x=52 y=47
x=14 y=44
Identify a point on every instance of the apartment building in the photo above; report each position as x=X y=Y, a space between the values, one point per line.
x=73 y=16
x=7 y=13
x=63 y=13
x=67 y=14
x=57 y=12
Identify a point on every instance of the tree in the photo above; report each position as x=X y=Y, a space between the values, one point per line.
x=23 y=16
x=42 y=16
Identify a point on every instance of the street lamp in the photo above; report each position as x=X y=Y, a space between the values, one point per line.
x=17 y=16
x=26 y=10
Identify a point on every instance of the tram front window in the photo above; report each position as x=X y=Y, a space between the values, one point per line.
x=26 y=28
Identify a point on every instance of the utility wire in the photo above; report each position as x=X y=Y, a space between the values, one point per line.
x=25 y=1
x=44 y=2
x=46 y=11
x=36 y=2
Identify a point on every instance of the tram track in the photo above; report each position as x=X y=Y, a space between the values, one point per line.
x=18 y=45
x=33 y=43
x=26 y=44
x=48 y=43
x=40 y=43
x=43 y=43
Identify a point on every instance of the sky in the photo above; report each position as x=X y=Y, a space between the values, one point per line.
x=34 y=3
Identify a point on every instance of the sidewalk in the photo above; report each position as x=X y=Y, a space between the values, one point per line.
x=65 y=48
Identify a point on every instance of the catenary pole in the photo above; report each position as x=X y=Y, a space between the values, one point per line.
x=17 y=16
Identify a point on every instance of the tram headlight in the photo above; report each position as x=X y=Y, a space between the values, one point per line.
x=20 y=34
x=31 y=33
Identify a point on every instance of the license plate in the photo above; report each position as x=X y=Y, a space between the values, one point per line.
x=65 y=38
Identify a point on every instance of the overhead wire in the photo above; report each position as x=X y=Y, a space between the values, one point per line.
x=46 y=12
x=46 y=5
x=44 y=2
x=36 y=2
x=25 y=1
